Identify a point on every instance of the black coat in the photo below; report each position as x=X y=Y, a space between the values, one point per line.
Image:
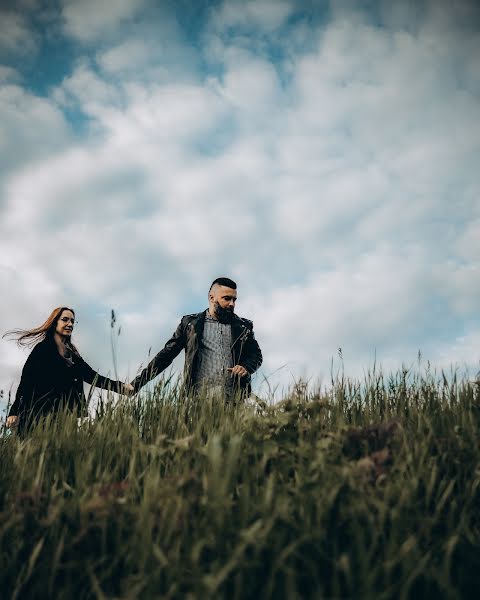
x=49 y=383
x=245 y=350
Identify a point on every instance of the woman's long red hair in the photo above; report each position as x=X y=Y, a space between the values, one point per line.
x=30 y=337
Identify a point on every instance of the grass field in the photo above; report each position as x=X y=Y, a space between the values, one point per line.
x=368 y=490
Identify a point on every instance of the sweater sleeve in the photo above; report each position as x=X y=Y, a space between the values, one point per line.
x=93 y=378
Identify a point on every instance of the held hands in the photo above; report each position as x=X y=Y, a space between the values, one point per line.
x=128 y=388
x=12 y=421
x=238 y=371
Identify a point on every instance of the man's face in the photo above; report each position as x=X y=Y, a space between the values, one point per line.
x=222 y=300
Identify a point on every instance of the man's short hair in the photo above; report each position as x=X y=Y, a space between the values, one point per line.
x=224 y=281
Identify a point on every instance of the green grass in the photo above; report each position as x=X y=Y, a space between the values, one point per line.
x=370 y=490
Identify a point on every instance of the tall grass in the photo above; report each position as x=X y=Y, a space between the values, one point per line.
x=368 y=490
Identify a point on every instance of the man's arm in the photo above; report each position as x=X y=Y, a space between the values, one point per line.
x=163 y=359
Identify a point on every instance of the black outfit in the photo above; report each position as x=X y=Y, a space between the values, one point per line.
x=50 y=382
x=188 y=335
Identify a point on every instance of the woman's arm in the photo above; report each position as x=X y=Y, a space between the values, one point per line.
x=94 y=378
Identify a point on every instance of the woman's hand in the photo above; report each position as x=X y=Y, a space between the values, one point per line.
x=12 y=420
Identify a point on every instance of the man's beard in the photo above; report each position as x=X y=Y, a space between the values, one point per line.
x=224 y=315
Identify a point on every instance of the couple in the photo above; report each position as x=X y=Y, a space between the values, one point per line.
x=221 y=352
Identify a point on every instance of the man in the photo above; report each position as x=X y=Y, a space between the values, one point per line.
x=221 y=352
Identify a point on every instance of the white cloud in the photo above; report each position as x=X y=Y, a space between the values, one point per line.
x=268 y=15
x=88 y=20
x=250 y=84
x=151 y=58
x=86 y=90
x=356 y=306
x=460 y=353
x=15 y=35
x=30 y=127
x=9 y=75
x=468 y=246
x=125 y=56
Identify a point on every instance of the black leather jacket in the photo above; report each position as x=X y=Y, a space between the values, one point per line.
x=245 y=350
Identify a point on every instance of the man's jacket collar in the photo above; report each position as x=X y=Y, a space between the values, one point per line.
x=238 y=327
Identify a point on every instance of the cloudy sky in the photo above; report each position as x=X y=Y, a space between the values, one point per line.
x=323 y=154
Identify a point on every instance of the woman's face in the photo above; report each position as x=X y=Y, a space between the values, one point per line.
x=65 y=323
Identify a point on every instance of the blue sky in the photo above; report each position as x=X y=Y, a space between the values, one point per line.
x=323 y=154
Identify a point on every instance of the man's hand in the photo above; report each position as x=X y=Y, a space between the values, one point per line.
x=12 y=421
x=238 y=370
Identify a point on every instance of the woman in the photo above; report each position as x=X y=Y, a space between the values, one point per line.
x=54 y=372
